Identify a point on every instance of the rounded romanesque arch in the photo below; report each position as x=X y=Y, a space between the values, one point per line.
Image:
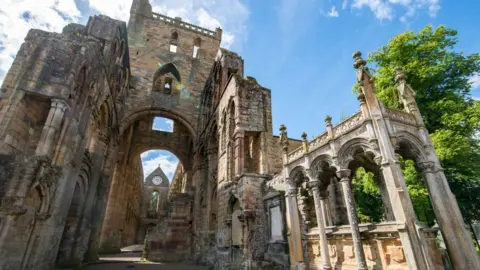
x=346 y=153
x=297 y=176
x=131 y=117
x=320 y=162
x=410 y=146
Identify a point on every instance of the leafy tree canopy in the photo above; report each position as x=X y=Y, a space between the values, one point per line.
x=440 y=76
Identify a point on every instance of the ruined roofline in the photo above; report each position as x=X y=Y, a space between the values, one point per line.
x=177 y=21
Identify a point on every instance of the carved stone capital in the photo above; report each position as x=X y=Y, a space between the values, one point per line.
x=292 y=191
x=59 y=103
x=344 y=174
x=427 y=166
x=314 y=185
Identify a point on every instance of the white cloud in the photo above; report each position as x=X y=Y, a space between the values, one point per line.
x=385 y=9
x=333 y=12
x=162 y=124
x=475 y=81
x=154 y=158
x=344 y=4
x=18 y=17
x=169 y=123
x=381 y=9
x=117 y=9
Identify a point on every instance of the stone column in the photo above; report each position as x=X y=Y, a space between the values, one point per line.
x=344 y=176
x=293 y=224
x=239 y=153
x=321 y=224
x=52 y=125
x=325 y=208
x=88 y=218
x=457 y=239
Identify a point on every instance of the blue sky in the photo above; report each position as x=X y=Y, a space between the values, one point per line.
x=300 y=49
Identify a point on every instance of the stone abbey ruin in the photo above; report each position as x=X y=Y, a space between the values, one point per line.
x=76 y=112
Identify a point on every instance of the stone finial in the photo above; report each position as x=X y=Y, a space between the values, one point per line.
x=304 y=136
x=284 y=137
x=328 y=120
x=358 y=61
x=400 y=76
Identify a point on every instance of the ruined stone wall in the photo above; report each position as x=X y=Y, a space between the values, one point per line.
x=55 y=92
x=150 y=37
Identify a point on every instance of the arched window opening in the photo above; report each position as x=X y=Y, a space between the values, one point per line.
x=162 y=124
x=173 y=42
x=167 y=161
x=166 y=79
x=224 y=131
x=370 y=208
x=174 y=36
x=196 y=46
x=237 y=231
x=154 y=202
x=231 y=140
x=415 y=182
x=168 y=85
x=418 y=192
x=369 y=189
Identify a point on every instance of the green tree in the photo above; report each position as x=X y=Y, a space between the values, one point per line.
x=440 y=76
x=367 y=197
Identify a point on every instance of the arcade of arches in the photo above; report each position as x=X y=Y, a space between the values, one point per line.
x=76 y=112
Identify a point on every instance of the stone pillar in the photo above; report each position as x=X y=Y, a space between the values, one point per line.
x=327 y=218
x=457 y=240
x=90 y=209
x=239 y=154
x=52 y=125
x=385 y=198
x=321 y=224
x=344 y=176
x=293 y=224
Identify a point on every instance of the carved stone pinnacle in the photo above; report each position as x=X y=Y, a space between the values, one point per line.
x=400 y=76
x=328 y=120
x=358 y=61
x=304 y=136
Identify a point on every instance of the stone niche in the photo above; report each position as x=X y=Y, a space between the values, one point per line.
x=276 y=233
